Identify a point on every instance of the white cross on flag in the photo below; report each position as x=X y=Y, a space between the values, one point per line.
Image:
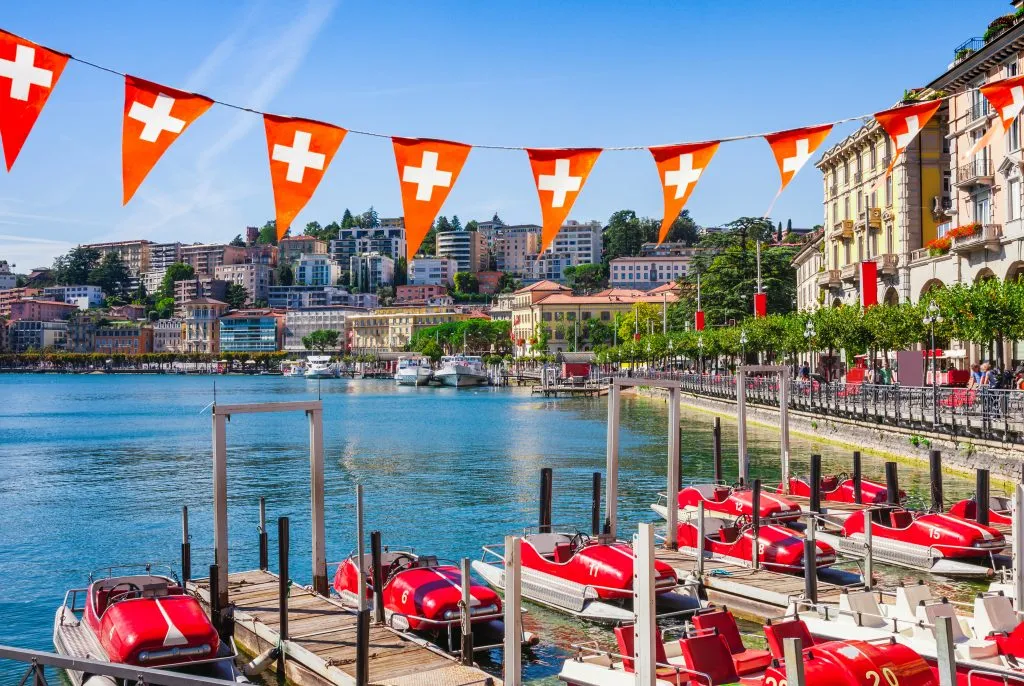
x=1007 y=98
x=28 y=74
x=904 y=123
x=427 y=170
x=793 y=148
x=559 y=175
x=679 y=168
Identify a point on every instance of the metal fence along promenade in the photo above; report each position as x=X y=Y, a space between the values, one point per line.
x=986 y=413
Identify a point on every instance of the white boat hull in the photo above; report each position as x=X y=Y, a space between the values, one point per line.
x=904 y=554
x=413 y=377
x=460 y=379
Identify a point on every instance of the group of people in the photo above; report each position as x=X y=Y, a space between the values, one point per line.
x=987 y=375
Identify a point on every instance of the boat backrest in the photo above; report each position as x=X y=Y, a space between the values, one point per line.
x=908 y=598
x=861 y=608
x=706 y=490
x=709 y=654
x=563 y=552
x=624 y=638
x=929 y=613
x=829 y=483
x=900 y=519
x=777 y=632
x=545 y=544
x=725 y=623
x=728 y=534
x=999 y=504
x=993 y=614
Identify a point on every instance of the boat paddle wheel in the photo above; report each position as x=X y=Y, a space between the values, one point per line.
x=730 y=501
x=588 y=577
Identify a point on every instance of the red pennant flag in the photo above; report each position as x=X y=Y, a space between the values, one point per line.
x=559 y=176
x=793 y=148
x=679 y=168
x=28 y=73
x=698 y=320
x=427 y=170
x=154 y=117
x=904 y=123
x=760 y=305
x=300 y=151
x=1007 y=98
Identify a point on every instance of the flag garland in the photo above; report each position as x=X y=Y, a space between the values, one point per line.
x=300 y=150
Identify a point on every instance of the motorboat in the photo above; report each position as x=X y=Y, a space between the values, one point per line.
x=293 y=368
x=728 y=501
x=461 y=370
x=732 y=540
x=413 y=371
x=839 y=488
x=999 y=513
x=932 y=542
x=143 y=619
x=423 y=595
x=320 y=367
x=713 y=654
x=590 y=578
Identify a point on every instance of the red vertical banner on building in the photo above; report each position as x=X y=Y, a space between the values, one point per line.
x=760 y=304
x=698 y=320
x=868 y=283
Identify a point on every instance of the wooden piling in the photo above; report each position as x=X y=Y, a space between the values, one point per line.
x=868 y=553
x=363 y=648
x=282 y=580
x=814 y=481
x=264 y=552
x=858 y=492
x=892 y=484
x=544 y=520
x=466 y=656
x=755 y=506
x=716 y=449
x=215 y=597
x=378 y=577
x=595 y=504
x=186 y=548
x=935 y=476
x=981 y=495
x=810 y=570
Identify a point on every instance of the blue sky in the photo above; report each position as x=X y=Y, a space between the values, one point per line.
x=533 y=73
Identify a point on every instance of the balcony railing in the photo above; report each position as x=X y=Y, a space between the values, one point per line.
x=851 y=272
x=975 y=173
x=966 y=49
x=988 y=238
x=842 y=229
x=887 y=263
x=830 y=278
x=979 y=110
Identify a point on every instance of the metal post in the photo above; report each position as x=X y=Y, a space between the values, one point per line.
x=544 y=519
x=360 y=549
x=378 y=577
x=671 y=535
x=935 y=474
x=815 y=484
x=858 y=492
x=513 y=671
x=595 y=504
x=264 y=547
x=466 y=656
x=810 y=570
x=981 y=492
x=755 y=506
x=716 y=448
x=283 y=582
x=793 y=654
x=700 y=540
x=363 y=647
x=612 y=458
x=868 y=554
x=186 y=548
x=784 y=426
x=945 y=651
x=215 y=596
x=220 y=504
x=1018 y=545
x=644 y=630
x=316 y=478
x=741 y=428
x=892 y=484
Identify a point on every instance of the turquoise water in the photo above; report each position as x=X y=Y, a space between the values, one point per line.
x=96 y=469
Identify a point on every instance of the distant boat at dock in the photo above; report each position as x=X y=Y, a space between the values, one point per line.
x=413 y=371
x=320 y=367
x=461 y=370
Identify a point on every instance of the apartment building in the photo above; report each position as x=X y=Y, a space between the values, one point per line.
x=33 y=335
x=809 y=263
x=647 y=272
x=419 y=293
x=315 y=270
x=12 y=295
x=134 y=254
x=252 y=331
x=389 y=329
x=468 y=249
x=516 y=248
x=202 y=325
x=206 y=258
x=40 y=310
x=123 y=338
x=293 y=247
x=82 y=297
x=371 y=271
x=432 y=271
x=169 y=335
x=300 y=323
x=574 y=245
x=293 y=297
x=7 y=278
x=253 y=277
x=192 y=289
x=355 y=241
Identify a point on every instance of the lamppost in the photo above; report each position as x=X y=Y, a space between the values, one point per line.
x=931 y=318
x=649 y=358
x=743 y=346
x=809 y=334
x=671 y=354
x=700 y=353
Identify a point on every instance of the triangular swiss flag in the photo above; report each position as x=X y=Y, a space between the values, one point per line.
x=559 y=175
x=904 y=123
x=1007 y=98
x=28 y=74
x=154 y=117
x=427 y=170
x=793 y=148
x=300 y=151
x=679 y=168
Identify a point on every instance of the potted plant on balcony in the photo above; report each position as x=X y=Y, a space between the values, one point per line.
x=998 y=25
x=963 y=53
x=939 y=246
x=964 y=231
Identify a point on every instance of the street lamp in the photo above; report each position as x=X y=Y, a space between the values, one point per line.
x=700 y=352
x=649 y=358
x=931 y=318
x=743 y=346
x=671 y=353
x=809 y=334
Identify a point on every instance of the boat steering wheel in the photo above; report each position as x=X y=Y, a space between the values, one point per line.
x=742 y=522
x=841 y=478
x=401 y=562
x=578 y=541
x=133 y=591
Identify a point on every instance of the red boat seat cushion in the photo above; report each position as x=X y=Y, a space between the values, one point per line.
x=563 y=553
x=624 y=637
x=901 y=519
x=792 y=628
x=1012 y=644
x=722 y=492
x=728 y=534
x=745 y=660
x=709 y=654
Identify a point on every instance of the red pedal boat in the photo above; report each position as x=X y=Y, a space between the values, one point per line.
x=839 y=489
x=421 y=594
x=143 y=619
x=998 y=510
x=779 y=549
x=731 y=502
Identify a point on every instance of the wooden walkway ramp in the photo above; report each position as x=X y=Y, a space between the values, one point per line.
x=321 y=648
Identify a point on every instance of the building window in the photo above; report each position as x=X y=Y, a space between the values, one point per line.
x=1013 y=136
x=605 y=316
x=546 y=316
x=1013 y=193
x=584 y=315
x=846 y=173
x=873 y=156
x=888 y=190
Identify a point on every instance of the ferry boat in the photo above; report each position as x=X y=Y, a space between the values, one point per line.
x=461 y=370
x=413 y=371
x=143 y=619
x=421 y=594
x=320 y=367
x=590 y=578
x=729 y=501
x=779 y=549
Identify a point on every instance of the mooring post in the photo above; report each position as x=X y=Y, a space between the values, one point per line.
x=378 y=577
x=186 y=548
x=815 y=484
x=1017 y=513
x=264 y=552
x=283 y=580
x=935 y=476
x=316 y=479
x=544 y=520
x=595 y=504
x=784 y=426
x=220 y=504
x=741 y=426
x=793 y=654
x=755 y=506
x=858 y=493
x=215 y=605
x=945 y=652
x=868 y=571
x=644 y=630
x=467 y=605
x=363 y=647
x=981 y=496
x=716 y=449
x=612 y=458
x=512 y=657
x=360 y=550
x=672 y=533
x=700 y=541
x=892 y=484
x=810 y=570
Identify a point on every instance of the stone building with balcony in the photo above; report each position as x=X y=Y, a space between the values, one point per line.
x=809 y=264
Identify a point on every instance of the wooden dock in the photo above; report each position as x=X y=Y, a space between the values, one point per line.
x=572 y=390
x=321 y=648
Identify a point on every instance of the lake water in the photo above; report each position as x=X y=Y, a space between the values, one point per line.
x=95 y=470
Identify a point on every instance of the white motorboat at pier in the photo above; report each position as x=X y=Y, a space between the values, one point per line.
x=320 y=367
x=461 y=370
x=413 y=371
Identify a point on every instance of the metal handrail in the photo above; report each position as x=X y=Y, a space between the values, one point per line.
x=147 y=675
